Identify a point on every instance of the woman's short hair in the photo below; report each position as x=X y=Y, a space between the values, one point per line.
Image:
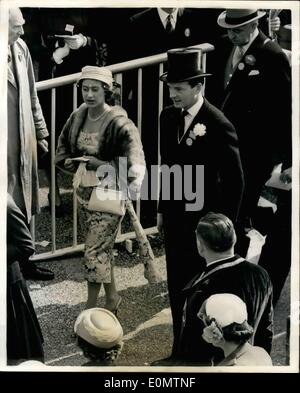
x=217 y=231
x=237 y=332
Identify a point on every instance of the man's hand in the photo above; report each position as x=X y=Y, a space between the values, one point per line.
x=76 y=41
x=60 y=53
x=43 y=144
x=69 y=164
x=159 y=223
x=275 y=24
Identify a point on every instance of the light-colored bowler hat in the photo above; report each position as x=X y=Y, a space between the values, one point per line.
x=99 y=327
x=102 y=74
x=226 y=309
x=232 y=18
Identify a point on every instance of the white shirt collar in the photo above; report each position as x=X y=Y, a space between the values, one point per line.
x=163 y=17
x=193 y=110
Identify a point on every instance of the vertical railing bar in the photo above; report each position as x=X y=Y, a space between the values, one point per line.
x=203 y=56
x=139 y=121
x=74 y=96
x=119 y=79
x=75 y=216
x=160 y=107
x=32 y=228
x=52 y=141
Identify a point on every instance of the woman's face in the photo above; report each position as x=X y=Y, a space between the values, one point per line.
x=93 y=93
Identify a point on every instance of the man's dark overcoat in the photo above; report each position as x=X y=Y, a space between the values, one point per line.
x=257 y=100
x=234 y=275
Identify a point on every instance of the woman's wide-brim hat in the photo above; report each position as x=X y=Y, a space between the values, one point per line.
x=232 y=18
x=184 y=64
x=99 y=327
x=101 y=74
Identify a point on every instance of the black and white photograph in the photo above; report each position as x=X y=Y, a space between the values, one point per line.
x=149 y=188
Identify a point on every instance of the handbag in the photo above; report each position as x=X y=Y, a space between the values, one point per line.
x=107 y=200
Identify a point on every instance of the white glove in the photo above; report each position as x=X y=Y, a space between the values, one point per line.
x=76 y=41
x=60 y=53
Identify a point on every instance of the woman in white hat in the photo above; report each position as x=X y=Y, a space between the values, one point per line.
x=225 y=318
x=98 y=135
x=99 y=335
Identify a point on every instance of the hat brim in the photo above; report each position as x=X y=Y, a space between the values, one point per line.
x=221 y=20
x=164 y=78
x=108 y=81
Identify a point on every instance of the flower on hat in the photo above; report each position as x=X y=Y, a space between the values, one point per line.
x=241 y=66
x=250 y=60
x=213 y=330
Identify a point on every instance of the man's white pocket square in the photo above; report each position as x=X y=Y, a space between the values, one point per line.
x=253 y=72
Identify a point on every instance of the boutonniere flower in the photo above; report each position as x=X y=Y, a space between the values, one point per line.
x=198 y=131
x=213 y=332
x=187 y=32
x=241 y=66
x=20 y=56
x=250 y=60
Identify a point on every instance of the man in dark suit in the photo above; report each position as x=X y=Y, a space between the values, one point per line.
x=252 y=86
x=169 y=28
x=200 y=144
x=225 y=272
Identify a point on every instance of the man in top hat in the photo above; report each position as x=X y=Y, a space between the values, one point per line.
x=200 y=146
x=252 y=86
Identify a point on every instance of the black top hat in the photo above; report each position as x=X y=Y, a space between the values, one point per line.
x=183 y=65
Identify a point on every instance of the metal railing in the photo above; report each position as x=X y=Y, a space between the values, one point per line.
x=118 y=70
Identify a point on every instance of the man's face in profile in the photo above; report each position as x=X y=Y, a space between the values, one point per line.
x=15 y=25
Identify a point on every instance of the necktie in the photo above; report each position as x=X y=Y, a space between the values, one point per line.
x=169 y=26
x=9 y=55
x=11 y=67
x=181 y=125
x=237 y=56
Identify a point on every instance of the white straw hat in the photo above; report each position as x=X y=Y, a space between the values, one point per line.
x=226 y=309
x=99 y=327
x=102 y=74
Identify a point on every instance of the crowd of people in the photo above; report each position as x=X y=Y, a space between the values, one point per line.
x=235 y=134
